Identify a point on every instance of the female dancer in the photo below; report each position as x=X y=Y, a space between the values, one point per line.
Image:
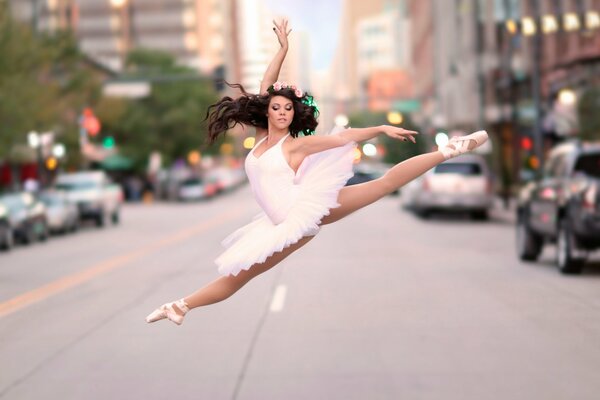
x=298 y=181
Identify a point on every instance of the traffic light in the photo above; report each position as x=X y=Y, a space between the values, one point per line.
x=526 y=143
x=51 y=163
x=108 y=142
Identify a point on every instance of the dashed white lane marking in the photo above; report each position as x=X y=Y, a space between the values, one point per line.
x=278 y=298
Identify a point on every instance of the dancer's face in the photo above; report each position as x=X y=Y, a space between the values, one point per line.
x=281 y=112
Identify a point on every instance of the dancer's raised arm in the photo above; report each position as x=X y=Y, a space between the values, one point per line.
x=315 y=144
x=272 y=72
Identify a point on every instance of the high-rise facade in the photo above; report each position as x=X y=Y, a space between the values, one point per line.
x=198 y=33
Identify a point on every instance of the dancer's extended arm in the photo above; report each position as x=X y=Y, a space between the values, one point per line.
x=314 y=144
x=272 y=72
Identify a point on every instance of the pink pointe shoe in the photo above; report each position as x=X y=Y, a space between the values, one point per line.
x=167 y=311
x=458 y=145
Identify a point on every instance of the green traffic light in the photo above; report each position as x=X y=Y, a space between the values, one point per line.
x=108 y=142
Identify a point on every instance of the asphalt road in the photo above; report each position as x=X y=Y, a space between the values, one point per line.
x=381 y=305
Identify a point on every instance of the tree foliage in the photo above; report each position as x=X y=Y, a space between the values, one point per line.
x=169 y=120
x=42 y=84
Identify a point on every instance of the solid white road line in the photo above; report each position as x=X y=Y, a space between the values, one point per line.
x=278 y=298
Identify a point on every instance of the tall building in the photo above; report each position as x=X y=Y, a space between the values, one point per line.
x=196 y=32
x=343 y=89
x=420 y=13
x=258 y=46
x=383 y=58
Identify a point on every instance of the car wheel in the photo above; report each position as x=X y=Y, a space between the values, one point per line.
x=101 y=219
x=529 y=245
x=9 y=240
x=29 y=236
x=422 y=213
x=481 y=215
x=115 y=218
x=44 y=232
x=566 y=262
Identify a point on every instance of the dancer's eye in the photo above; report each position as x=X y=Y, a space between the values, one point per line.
x=289 y=108
x=275 y=108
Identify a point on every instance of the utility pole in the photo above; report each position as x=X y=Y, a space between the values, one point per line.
x=538 y=139
x=34 y=16
x=479 y=44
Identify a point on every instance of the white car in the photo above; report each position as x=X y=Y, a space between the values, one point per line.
x=459 y=184
x=95 y=195
x=62 y=215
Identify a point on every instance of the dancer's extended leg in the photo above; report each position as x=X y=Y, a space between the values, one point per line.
x=355 y=197
x=225 y=286
x=221 y=288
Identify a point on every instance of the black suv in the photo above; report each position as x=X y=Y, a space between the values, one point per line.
x=563 y=207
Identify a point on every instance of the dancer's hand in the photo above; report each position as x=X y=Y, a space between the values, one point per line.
x=399 y=133
x=282 y=32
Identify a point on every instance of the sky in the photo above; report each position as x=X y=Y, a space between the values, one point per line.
x=320 y=18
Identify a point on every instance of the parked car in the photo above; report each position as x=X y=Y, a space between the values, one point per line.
x=563 y=207
x=196 y=189
x=224 y=178
x=6 y=231
x=459 y=184
x=26 y=216
x=96 y=196
x=62 y=215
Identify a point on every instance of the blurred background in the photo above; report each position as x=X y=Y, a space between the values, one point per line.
x=123 y=85
x=102 y=107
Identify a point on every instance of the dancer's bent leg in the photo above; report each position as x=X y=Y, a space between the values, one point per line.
x=355 y=197
x=225 y=286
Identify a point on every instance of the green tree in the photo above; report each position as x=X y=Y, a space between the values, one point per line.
x=169 y=120
x=42 y=84
x=396 y=151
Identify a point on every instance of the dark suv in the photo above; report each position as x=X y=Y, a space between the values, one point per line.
x=563 y=207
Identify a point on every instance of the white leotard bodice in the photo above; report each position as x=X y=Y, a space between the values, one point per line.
x=272 y=181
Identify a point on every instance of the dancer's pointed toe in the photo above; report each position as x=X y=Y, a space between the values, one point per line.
x=462 y=144
x=168 y=310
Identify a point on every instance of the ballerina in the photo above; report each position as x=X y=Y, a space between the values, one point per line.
x=298 y=180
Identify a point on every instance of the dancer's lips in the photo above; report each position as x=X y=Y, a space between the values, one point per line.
x=282 y=119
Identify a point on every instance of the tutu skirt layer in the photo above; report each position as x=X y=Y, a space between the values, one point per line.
x=318 y=180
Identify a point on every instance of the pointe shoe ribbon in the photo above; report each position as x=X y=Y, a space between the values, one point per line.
x=458 y=145
x=167 y=311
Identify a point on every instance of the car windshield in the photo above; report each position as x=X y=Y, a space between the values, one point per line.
x=190 y=182
x=50 y=200
x=12 y=202
x=458 y=168
x=76 y=185
x=589 y=164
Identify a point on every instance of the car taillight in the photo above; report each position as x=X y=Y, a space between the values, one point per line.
x=589 y=197
x=548 y=194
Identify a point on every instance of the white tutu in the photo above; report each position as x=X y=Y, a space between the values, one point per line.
x=318 y=180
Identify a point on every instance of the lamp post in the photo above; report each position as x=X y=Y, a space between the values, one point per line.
x=123 y=10
x=538 y=138
x=35 y=142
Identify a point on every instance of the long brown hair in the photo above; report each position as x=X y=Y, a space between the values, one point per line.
x=251 y=109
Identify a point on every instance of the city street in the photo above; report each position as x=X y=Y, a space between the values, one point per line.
x=381 y=305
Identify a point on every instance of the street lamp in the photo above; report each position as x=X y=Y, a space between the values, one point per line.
x=341 y=120
x=35 y=141
x=567 y=97
x=124 y=27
